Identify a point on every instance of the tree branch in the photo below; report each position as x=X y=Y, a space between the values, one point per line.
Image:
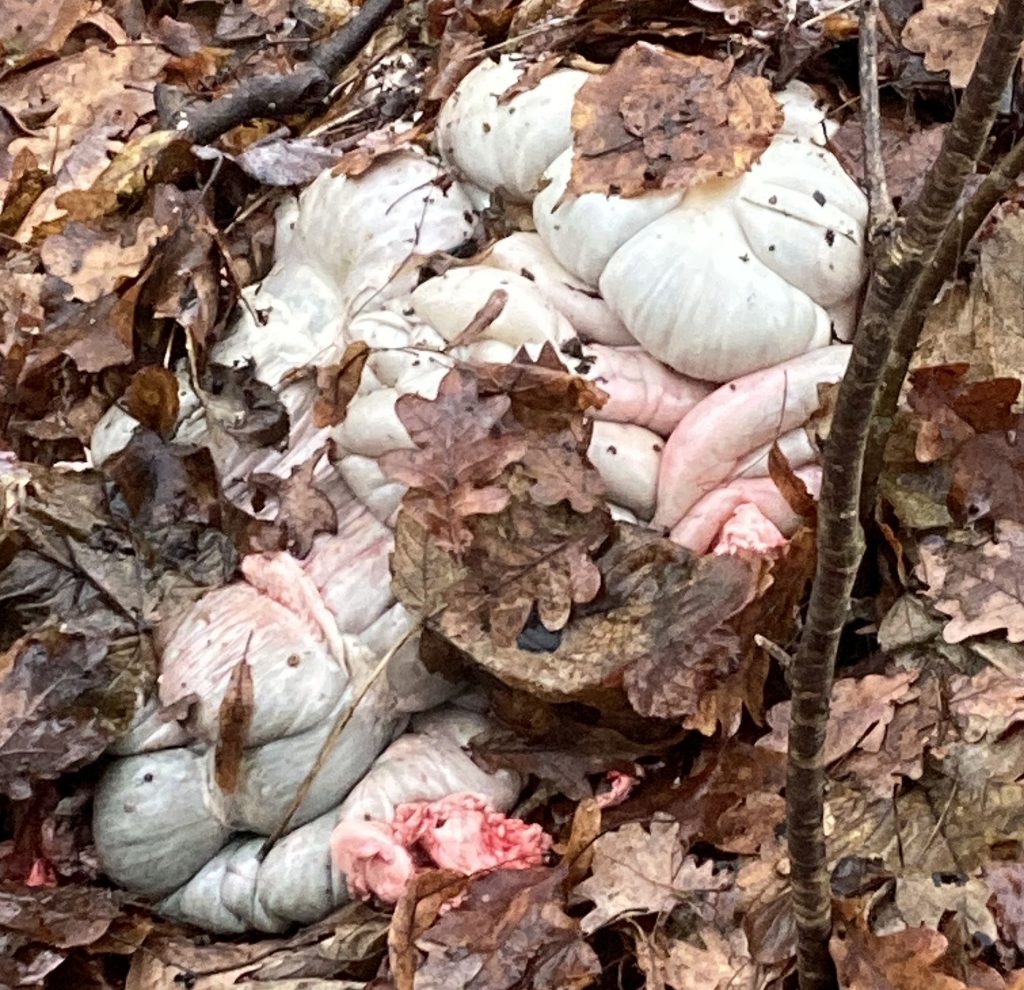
x=901 y=264
x=276 y=96
x=882 y=215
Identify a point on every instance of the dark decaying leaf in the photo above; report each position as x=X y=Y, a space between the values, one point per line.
x=510 y=930
x=52 y=715
x=546 y=742
x=39 y=927
x=245 y=408
x=973 y=427
x=691 y=648
x=174 y=506
x=152 y=398
x=303 y=509
x=659 y=120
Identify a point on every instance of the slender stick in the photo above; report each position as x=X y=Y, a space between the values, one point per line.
x=899 y=267
x=278 y=95
x=882 y=215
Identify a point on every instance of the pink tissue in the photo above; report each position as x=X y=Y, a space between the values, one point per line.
x=460 y=832
x=748 y=528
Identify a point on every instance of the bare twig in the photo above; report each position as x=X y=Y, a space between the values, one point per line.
x=344 y=717
x=901 y=264
x=277 y=96
x=882 y=215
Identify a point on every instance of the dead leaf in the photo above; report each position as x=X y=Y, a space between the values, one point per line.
x=422 y=573
x=720 y=964
x=462 y=447
x=636 y=871
x=907 y=152
x=152 y=398
x=52 y=711
x=861 y=709
x=338 y=383
x=906 y=960
x=731 y=800
x=94 y=262
x=561 y=471
x=658 y=120
x=521 y=559
x=482 y=318
x=980 y=587
x=510 y=927
x=986 y=704
x=578 y=850
x=245 y=408
x=233 y=720
x=303 y=508
x=1006 y=881
x=790 y=484
x=950 y=34
x=691 y=648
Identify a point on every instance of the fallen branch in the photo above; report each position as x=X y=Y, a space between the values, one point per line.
x=276 y=96
x=903 y=263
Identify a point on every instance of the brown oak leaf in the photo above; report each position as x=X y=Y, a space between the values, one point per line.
x=658 y=120
x=462 y=446
x=979 y=587
x=523 y=558
x=636 y=870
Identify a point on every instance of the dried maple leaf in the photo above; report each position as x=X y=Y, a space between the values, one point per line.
x=658 y=120
x=510 y=930
x=462 y=446
x=636 y=871
x=980 y=587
